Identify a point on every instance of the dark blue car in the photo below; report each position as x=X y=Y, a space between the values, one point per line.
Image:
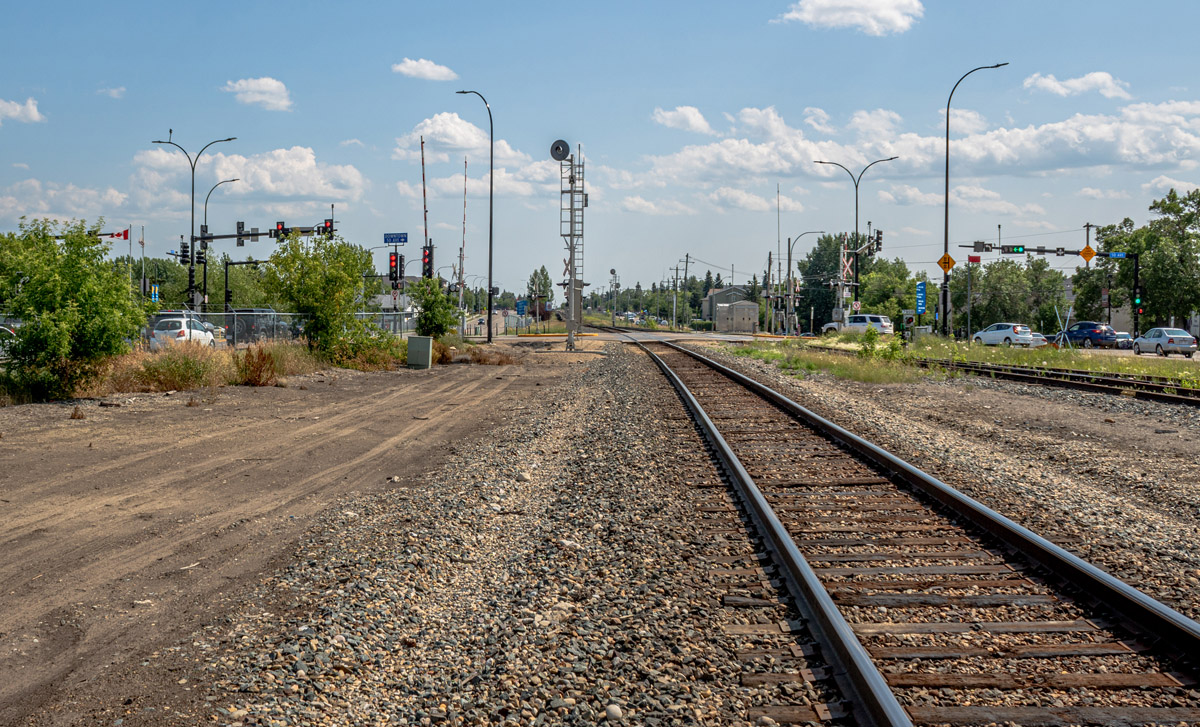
x=1090 y=334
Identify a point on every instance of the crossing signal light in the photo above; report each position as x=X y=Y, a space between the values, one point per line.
x=393 y=270
x=1012 y=249
x=327 y=228
x=427 y=261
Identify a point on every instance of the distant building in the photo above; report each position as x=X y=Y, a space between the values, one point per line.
x=721 y=296
x=737 y=317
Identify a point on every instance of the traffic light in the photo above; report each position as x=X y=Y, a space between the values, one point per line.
x=1012 y=249
x=241 y=240
x=203 y=234
x=200 y=258
x=878 y=240
x=327 y=228
x=281 y=231
x=1137 y=302
x=393 y=271
x=184 y=249
x=427 y=261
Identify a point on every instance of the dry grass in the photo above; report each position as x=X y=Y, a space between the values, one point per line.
x=78 y=413
x=490 y=356
x=255 y=367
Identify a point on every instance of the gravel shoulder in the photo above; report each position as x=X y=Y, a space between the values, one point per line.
x=1113 y=479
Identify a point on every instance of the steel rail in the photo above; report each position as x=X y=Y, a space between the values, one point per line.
x=869 y=695
x=1176 y=633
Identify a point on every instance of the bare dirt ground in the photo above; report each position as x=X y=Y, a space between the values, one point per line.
x=123 y=531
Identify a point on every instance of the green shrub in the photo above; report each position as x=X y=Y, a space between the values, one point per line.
x=698 y=325
x=868 y=342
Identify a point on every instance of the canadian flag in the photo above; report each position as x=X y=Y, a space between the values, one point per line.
x=119 y=235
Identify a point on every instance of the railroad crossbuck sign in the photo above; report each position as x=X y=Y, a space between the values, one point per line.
x=946 y=262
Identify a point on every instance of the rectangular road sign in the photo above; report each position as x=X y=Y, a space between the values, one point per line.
x=1116 y=254
x=521 y=307
x=395 y=238
x=921 y=298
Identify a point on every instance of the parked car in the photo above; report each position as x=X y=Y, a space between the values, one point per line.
x=1089 y=334
x=1007 y=334
x=1038 y=340
x=1165 y=341
x=1124 y=340
x=860 y=322
x=169 y=331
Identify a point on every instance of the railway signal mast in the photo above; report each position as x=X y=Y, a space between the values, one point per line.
x=572 y=201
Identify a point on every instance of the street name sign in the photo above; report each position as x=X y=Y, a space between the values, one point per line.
x=395 y=238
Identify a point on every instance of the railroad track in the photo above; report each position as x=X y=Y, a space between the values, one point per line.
x=930 y=608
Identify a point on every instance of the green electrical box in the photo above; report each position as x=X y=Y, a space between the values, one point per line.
x=420 y=352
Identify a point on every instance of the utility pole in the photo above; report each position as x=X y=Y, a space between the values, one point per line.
x=675 y=299
x=1087 y=264
x=770 y=299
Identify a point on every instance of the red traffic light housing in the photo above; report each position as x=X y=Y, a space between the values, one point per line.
x=393 y=268
x=427 y=261
x=327 y=227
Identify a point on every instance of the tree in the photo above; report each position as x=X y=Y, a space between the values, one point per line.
x=1047 y=292
x=77 y=309
x=320 y=278
x=540 y=284
x=437 y=314
x=886 y=289
x=708 y=281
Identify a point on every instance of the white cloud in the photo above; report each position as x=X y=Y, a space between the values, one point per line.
x=879 y=123
x=687 y=118
x=26 y=112
x=267 y=92
x=425 y=69
x=351 y=142
x=741 y=199
x=963 y=121
x=447 y=132
x=1101 y=81
x=34 y=198
x=645 y=206
x=873 y=17
x=1163 y=183
x=970 y=198
x=118 y=92
x=818 y=119
x=1093 y=193
x=20 y=165
x=914 y=231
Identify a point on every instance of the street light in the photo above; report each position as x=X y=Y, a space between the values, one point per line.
x=791 y=287
x=192 y=164
x=218 y=184
x=856 y=180
x=491 y=190
x=946 y=248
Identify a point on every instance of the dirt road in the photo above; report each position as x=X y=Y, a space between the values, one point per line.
x=122 y=531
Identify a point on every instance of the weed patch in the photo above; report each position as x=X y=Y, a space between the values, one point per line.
x=255 y=367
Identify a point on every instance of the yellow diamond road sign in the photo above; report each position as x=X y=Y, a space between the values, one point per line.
x=1087 y=253
x=946 y=262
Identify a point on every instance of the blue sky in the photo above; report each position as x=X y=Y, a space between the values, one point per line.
x=690 y=116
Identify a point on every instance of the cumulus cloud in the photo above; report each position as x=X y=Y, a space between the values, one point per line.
x=351 y=142
x=664 y=208
x=118 y=92
x=424 y=69
x=34 y=198
x=687 y=118
x=1101 y=81
x=26 y=112
x=447 y=132
x=971 y=198
x=267 y=92
x=877 y=123
x=1162 y=184
x=818 y=119
x=1093 y=193
x=732 y=198
x=279 y=177
x=873 y=17
x=963 y=121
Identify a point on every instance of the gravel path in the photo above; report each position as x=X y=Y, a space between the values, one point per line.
x=1113 y=479
x=548 y=576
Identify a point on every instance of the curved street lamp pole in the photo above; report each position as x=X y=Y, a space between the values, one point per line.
x=491 y=192
x=192 y=249
x=790 y=286
x=856 y=180
x=945 y=312
x=205 y=223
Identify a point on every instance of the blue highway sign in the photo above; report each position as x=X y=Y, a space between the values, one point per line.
x=921 y=298
x=1116 y=254
x=395 y=238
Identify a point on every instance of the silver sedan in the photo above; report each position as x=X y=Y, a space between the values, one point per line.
x=1165 y=341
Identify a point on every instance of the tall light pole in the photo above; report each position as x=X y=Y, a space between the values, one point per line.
x=791 y=287
x=491 y=196
x=856 y=180
x=205 y=223
x=945 y=312
x=192 y=249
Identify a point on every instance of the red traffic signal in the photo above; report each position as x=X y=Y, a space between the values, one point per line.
x=393 y=268
x=427 y=261
x=327 y=228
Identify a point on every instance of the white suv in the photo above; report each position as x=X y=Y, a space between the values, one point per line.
x=860 y=322
x=178 y=330
x=1008 y=334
